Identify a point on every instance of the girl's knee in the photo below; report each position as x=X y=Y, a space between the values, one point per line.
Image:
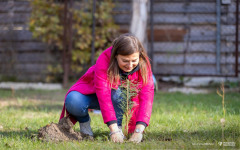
x=72 y=98
x=75 y=104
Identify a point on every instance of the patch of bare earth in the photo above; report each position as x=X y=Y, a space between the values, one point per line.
x=63 y=131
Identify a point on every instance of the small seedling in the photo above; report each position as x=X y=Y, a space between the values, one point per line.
x=129 y=90
x=221 y=93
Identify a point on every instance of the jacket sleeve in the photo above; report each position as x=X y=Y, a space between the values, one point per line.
x=146 y=96
x=103 y=89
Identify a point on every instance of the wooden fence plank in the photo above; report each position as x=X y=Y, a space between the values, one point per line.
x=25 y=69
x=185 y=7
x=19 y=6
x=29 y=57
x=16 y=35
x=22 y=46
x=31 y=67
x=122 y=19
x=36 y=57
x=32 y=77
x=202 y=30
x=15 y=19
x=193 y=47
x=232 y=7
x=179 y=69
x=189 y=58
x=121 y=1
x=125 y=7
x=27 y=76
x=228 y=19
x=197 y=33
x=202 y=1
x=193 y=69
x=203 y=38
x=171 y=34
x=169 y=47
x=230 y=38
x=184 y=19
x=174 y=7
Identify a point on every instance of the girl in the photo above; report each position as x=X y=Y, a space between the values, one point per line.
x=99 y=88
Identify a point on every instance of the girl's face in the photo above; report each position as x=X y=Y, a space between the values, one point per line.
x=129 y=62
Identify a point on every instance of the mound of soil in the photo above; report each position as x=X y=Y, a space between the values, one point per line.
x=63 y=131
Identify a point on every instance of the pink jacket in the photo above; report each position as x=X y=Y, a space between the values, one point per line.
x=95 y=81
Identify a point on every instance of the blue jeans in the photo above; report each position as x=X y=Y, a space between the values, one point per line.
x=77 y=105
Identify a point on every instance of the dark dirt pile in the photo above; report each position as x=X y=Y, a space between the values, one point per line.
x=63 y=131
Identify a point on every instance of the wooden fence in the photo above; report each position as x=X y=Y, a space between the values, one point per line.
x=184 y=39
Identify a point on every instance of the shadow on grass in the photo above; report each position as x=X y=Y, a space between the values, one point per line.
x=15 y=134
x=101 y=135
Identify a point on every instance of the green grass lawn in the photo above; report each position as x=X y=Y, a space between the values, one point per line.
x=178 y=121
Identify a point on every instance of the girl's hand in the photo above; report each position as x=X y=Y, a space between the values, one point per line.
x=116 y=134
x=117 y=137
x=136 y=138
x=138 y=134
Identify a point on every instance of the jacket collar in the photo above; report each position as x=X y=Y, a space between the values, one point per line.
x=124 y=75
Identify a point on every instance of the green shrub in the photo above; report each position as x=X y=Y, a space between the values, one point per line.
x=46 y=23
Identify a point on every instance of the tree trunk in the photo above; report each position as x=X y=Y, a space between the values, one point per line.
x=67 y=41
x=139 y=20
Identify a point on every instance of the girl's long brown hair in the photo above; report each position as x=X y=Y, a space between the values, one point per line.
x=127 y=44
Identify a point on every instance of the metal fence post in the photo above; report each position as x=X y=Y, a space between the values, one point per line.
x=93 y=33
x=218 y=37
x=236 y=42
